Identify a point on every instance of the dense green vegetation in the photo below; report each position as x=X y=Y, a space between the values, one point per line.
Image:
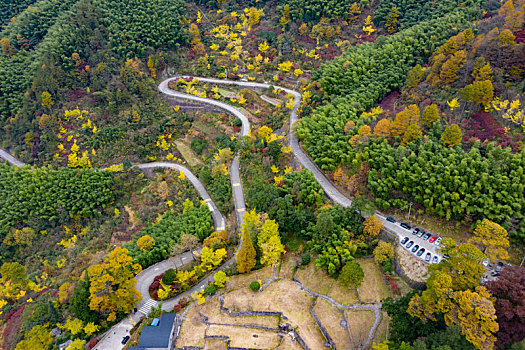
x=166 y=233
x=49 y=197
x=413 y=12
x=313 y=10
x=450 y=183
x=360 y=78
x=10 y=8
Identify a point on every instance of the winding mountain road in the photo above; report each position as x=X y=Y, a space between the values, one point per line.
x=113 y=337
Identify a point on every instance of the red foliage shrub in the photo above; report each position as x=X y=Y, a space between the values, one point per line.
x=177 y=308
x=483 y=127
x=520 y=36
x=13 y=320
x=92 y=343
x=183 y=303
x=155 y=295
x=74 y=95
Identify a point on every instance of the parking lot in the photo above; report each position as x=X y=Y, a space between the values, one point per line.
x=421 y=243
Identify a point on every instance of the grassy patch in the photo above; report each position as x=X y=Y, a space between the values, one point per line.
x=216 y=344
x=293 y=242
x=288 y=344
x=415 y=268
x=211 y=308
x=381 y=332
x=243 y=280
x=331 y=318
x=360 y=323
x=373 y=287
x=317 y=280
x=187 y=153
x=287 y=269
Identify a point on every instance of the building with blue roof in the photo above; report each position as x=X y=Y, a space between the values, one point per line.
x=158 y=337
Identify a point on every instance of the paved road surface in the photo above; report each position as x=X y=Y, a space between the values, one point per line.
x=9 y=158
x=330 y=190
x=113 y=338
x=218 y=219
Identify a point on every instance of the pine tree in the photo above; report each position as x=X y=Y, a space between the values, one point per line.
x=430 y=116
x=480 y=92
x=285 y=19
x=405 y=118
x=451 y=136
x=151 y=67
x=482 y=70
x=246 y=254
x=391 y=20
x=415 y=75
x=412 y=134
x=382 y=128
x=449 y=70
x=353 y=13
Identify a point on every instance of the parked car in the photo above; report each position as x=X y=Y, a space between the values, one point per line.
x=435 y=260
x=432 y=239
x=499 y=266
x=421 y=251
x=438 y=241
x=427 y=257
x=404 y=241
x=491 y=265
x=446 y=256
x=125 y=339
x=410 y=244
x=427 y=236
x=391 y=219
x=415 y=232
x=485 y=262
x=405 y=226
x=416 y=247
x=494 y=273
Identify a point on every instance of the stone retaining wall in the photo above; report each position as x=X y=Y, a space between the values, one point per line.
x=392 y=238
x=321 y=327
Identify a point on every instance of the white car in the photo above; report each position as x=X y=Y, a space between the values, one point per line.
x=438 y=242
x=485 y=262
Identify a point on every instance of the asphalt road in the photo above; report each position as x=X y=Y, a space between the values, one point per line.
x=9 y=158
x=329 y=189
x=113 y=337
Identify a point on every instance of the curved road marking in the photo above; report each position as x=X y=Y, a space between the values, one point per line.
x=237 y=191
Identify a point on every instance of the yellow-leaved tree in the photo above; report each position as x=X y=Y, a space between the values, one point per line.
x=454 y=291
x=405 y=118
x=112 y=284
x=269 y=242
x=246 y=254
x=211 y=259
x=145 y=242
x=383 y=252
x=38 y=338
x=373 y=227
x=452 y=135
x=492 y=238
